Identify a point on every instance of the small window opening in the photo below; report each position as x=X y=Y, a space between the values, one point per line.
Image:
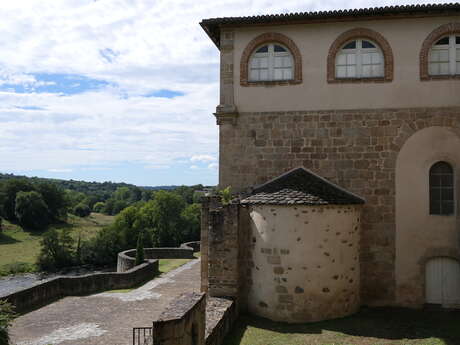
x=441 y=189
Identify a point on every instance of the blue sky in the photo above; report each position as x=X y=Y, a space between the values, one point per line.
x=117 y=90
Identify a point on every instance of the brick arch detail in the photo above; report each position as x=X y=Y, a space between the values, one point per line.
x=270 y=37
x=355 y=34
x=435 y=35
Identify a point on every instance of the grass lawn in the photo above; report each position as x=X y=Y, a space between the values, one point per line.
x=164 y=266
x=379 y=326
x=19 y=248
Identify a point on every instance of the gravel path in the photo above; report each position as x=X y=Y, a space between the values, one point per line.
x=104 y=318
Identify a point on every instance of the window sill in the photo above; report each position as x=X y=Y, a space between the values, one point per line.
x=440 y=77
x=271 y=82
x=358 y=80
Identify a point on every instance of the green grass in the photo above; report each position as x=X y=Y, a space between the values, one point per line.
x=379 y=326
x=19 y=248
x=164 y=266
x=167 y=265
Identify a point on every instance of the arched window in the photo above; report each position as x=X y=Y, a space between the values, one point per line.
x=444 y=57
x=440 y=53
x=270 y=59
x=441 y=189
x=359 y=58
x=360 y=55
x=271 y=62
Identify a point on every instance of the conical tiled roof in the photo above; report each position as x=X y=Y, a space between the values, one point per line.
x=301 y=187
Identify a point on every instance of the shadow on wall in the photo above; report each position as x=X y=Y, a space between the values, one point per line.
x=383 y=325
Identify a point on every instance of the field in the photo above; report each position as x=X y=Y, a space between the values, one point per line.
x=379 y=326
x=19 y=249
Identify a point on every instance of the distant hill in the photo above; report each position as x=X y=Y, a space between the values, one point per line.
x=99 y=188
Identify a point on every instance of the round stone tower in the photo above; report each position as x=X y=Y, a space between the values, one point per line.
x=304 y=252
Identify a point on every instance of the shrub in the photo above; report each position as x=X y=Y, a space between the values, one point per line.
x=31 y=210
x=98 y=207
x=57 y=251
x=140 y=249
x=81 y=210
x=6 y=316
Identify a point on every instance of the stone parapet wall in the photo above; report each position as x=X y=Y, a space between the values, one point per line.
x=127 y=258
x=59 y=287
x=356 y=149
x=195 y=245
x=183 y=322
x=221 y=314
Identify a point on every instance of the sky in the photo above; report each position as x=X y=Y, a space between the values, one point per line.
x=118 y=90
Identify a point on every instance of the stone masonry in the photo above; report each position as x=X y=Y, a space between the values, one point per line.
x=356 y=149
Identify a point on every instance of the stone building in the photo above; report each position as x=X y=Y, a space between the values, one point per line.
x=368 y=100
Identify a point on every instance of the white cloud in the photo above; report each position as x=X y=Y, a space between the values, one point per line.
x=136 y=46
x=203 y=158
x=213 y=166
x=194 y=167
x=59 y=170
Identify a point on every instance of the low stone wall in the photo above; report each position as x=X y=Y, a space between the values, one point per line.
x=127 y=258
x=183 y=322
x=221 y=314
x=195 y=245
x=49 y=291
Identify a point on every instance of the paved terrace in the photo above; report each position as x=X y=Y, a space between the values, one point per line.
x=104 y=318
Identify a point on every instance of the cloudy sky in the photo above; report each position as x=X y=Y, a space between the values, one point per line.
x=119 y=90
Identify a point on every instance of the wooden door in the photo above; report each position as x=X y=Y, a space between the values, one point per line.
x=443 y=282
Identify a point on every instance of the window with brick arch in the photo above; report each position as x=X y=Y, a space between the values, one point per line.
x=444 y=56
x=271 y=62
x=360 y=58
x=441 y=189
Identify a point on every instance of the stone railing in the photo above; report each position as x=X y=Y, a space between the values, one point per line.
x=191 y=319
x=183 y=322
x=51 y=290
x=195 y=245
x=127 y=258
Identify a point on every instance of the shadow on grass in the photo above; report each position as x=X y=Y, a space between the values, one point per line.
x=382 y=323
x=6 y=239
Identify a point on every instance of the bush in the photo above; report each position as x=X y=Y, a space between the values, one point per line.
x=6 y=316
x=31 y=210
x=81 y=210
x=57 y=251
x=98 y=207
x=140 y=249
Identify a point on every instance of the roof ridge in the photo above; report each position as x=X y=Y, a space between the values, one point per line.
x=301 y=186
x=212 y=25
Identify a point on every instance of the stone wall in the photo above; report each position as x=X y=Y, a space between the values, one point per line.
x=127 y=258
x=221 y=314
x=59 y=287
x=223 y=245
x=304 y=261
x=356 y=149
x=195 y=245
x=183 y=322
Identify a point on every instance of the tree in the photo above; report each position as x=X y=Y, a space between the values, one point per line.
x=55 y=200
x=31 y=210
x=166 y=219
x=56 y=250
x=140 y=249
x=192 y=222
x=81 y=210
x=98 y=207
x=8 y=192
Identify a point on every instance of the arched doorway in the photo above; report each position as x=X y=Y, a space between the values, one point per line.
x=442 y=282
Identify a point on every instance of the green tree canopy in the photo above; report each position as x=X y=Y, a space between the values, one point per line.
x=31 y=210
x=8 y=191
